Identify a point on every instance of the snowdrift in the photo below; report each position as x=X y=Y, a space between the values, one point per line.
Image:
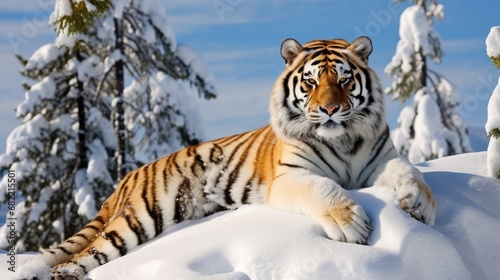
x=258 y=242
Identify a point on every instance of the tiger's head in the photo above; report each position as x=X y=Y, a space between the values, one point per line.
x=326 y=90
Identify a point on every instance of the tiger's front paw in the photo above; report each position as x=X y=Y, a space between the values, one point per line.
x=415 y=198
x=347 y=222
x=68 y=271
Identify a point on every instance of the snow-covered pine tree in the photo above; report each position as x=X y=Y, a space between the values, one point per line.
x=76 y=19
x=431 y=127
x=161 y=112
x=44 y=150
x=60 y=153
x=493 y=124
x=73 y=17
x=75 y=82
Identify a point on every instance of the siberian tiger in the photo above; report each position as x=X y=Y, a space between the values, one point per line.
x=327 y=135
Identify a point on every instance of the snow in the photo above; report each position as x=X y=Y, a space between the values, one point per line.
x=413 y=31
x=494 y=109
x=90 y=67
x=172 y=105
x=159 y=19
x=414 y=28
x=493 y=161
x=97 y=168
x=63 y=8
x=119 y=6
x=40 y=91
x=197 y=63
x=421 y=135
x=111 y=59
x=436 y=10
x=84 y=195
x=38 y=207
x=493 y=122
x=43 y=56
x=88 y=5
x=493 y=42
x=25 y=136
x=64 y=39
x=430 y=127
x=429 y=140
x=96 y=121
x=258 y=242
x=148 y=34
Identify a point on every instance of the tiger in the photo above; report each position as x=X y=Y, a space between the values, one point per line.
x=327 y=135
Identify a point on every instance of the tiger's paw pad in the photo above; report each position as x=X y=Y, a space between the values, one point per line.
x=67 y=272
x=415 y=198
x=347 y=223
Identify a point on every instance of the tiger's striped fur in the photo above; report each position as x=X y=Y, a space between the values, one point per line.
x=327 y=135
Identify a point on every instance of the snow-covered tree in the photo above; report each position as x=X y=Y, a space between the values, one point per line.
x=493 y=123
x=44 y=151
x=431 y=126
x=64 y=152
x=73 y=17
x=159 y=105
x=160 y=109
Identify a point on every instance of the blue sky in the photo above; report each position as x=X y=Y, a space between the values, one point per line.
x=240 y=40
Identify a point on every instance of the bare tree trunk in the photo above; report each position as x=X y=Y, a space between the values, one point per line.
x=82 y=148
x=118 y=110
x=423 y=71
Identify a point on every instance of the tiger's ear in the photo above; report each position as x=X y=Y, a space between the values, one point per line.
x=290 y=48
x=363 y=47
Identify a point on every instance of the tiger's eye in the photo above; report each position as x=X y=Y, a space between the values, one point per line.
x=343 y=80
x=311 y=81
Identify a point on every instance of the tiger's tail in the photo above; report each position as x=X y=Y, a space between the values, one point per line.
x=79 y=241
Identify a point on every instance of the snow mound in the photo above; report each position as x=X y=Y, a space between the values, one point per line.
x=258 y=242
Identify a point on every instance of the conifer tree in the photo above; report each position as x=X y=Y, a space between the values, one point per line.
x=64 y=152
x=159 y=104
x=44 y=150
x=431 y=127
x=493 y=124
x=134 y=36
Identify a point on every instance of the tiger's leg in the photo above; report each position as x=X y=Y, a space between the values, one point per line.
x=411 y=190
x=66 y=250
x=341 y=217
x=123 y=233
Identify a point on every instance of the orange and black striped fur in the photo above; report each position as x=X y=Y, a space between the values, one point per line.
x=327 y=135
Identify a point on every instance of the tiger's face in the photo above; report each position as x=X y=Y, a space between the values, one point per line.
x=326 y=89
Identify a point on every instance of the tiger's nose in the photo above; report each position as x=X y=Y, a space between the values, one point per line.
x=329 y=109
